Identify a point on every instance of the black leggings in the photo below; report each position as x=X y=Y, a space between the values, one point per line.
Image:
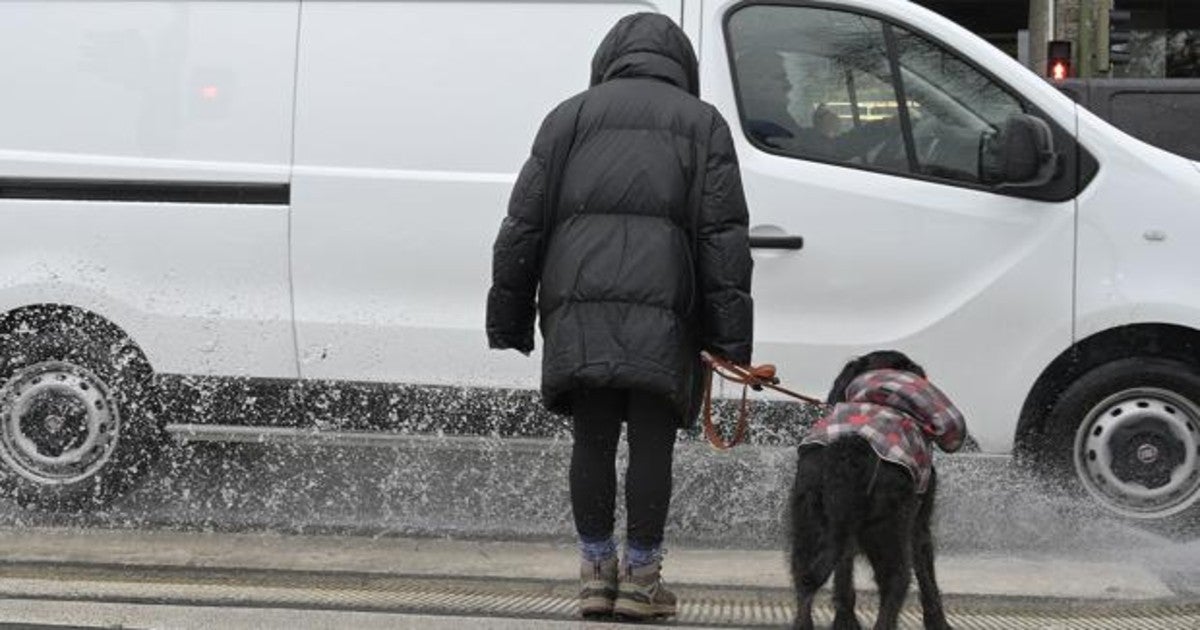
x=652 y=424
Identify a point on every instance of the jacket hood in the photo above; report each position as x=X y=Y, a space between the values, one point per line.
x=647 y=45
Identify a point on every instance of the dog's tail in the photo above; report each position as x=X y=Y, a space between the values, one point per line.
x=845 y=493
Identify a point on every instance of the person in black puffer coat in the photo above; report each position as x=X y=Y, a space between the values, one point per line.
x=627 y=234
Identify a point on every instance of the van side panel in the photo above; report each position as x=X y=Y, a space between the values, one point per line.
x=413 y=119
x=1137 y=221
x=103 y=97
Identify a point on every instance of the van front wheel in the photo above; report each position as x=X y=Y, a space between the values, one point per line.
x=77 y=421
x=1130 y=432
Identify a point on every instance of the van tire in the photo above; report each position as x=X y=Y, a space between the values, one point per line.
x=78 y=415
x=1128 y=433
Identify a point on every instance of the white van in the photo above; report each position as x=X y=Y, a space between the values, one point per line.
x=234 y=204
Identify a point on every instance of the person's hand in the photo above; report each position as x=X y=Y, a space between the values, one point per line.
x=503 y=342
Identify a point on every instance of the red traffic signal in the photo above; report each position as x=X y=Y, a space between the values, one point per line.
x=1058 y=60
x=1060 y=70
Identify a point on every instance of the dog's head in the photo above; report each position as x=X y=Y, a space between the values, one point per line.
x=877 y=360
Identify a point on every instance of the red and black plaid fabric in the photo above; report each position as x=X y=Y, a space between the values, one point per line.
x=901 y=414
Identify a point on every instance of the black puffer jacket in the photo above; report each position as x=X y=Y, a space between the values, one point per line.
x=630 y=215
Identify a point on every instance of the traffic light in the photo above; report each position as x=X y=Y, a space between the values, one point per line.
x=1119 y=35
x=1058 y=60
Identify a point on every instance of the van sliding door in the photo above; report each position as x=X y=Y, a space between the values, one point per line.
x=412 y=121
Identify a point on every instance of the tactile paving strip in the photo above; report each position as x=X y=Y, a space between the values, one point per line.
x=531 y=599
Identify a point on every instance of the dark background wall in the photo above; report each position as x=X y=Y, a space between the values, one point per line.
x=995 y=20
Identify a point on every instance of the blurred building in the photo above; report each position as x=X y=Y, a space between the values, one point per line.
x=1164 y=43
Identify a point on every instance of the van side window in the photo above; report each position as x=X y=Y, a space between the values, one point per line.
x=816 y=84
x=951 y=106
x=820 y=84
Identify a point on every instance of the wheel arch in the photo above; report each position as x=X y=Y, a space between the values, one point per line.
x=1159 y=340
x=36 y=316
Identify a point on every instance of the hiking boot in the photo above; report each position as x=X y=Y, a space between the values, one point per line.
x=599 y=586
x=642 y=594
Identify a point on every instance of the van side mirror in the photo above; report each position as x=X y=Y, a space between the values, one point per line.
x=1020 y=154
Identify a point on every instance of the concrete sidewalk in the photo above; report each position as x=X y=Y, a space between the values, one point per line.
x=977 y=575
x=36 y=614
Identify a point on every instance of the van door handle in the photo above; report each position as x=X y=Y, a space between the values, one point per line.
x=776 y=242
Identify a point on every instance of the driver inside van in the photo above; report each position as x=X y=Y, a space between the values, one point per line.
x=826 y=122
x=764 y=97
x=827 y=140
x=764 y=89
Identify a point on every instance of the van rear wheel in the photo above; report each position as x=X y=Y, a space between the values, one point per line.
x=77 y=415
x=1128 y=432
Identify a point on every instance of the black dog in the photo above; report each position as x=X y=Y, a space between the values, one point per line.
x=847 y=498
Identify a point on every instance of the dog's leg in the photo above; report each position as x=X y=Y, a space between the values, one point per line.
x=804 y=606
x=931 y=597
x=844 y=596
x=803 y=555
x=889 y=548
x=806 y=540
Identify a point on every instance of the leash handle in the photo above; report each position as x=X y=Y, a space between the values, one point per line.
x=710 y=430
x=750 y=377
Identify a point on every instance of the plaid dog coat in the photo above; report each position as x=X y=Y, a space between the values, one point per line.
x=900 y=415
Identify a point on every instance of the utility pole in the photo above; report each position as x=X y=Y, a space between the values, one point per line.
x=1095 y=45
x=1103 y=62
x=1042 y=20
x=1086 y=38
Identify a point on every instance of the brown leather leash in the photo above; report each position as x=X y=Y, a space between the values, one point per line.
x=754 y=377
